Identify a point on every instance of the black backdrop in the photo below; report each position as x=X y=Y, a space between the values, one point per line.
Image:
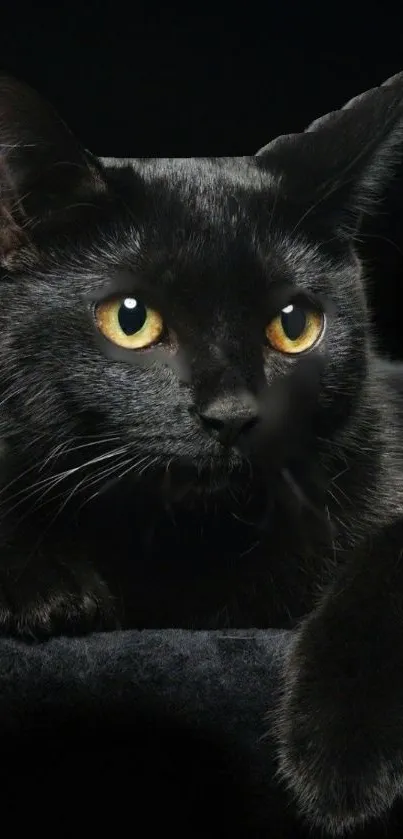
x=139 y=80
x=134 y=79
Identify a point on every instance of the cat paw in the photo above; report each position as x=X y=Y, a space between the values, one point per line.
x=61 y=600
x=339 y=746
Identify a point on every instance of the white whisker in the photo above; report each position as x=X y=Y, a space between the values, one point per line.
x=48 y=484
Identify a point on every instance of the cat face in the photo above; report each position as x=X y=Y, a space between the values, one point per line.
x=196 y=331
x=201 y=320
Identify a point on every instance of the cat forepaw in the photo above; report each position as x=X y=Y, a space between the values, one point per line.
x=55 y=602
x=333 y=757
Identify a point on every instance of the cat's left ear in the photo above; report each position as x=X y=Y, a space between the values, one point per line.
x=339 y=167
x=43 y=168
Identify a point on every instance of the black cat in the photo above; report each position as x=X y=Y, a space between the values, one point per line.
x=195 y=427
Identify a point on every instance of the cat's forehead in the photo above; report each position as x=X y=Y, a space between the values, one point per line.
x=205 y=189
x=202 y=210
x=213 y=221
x=188 y=171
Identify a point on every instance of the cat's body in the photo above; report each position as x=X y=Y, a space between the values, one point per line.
x=196 y=429
x=253 y=553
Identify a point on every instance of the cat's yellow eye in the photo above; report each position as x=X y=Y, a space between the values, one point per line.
x=296 y=329
x=129 y=323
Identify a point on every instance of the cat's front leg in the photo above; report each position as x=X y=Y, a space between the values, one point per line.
x=339 y=724
x=41 y=597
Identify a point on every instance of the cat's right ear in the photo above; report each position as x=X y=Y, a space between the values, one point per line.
x=339 y=167
x=42 y=168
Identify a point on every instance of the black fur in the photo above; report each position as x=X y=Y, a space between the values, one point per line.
x=130 y=497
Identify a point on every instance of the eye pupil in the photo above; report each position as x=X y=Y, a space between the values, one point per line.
x=293 y=322
x=132 y=316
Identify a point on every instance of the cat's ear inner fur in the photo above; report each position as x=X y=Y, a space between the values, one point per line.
x=42 y=168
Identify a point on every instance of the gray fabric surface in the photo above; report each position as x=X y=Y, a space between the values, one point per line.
x=158 y=732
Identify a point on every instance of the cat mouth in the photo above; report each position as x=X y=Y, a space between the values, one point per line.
x=183 y=477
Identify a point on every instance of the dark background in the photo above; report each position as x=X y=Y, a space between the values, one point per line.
x=134 y=80
x=137 y=80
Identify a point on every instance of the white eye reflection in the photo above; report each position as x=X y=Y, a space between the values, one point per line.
x=130 y=302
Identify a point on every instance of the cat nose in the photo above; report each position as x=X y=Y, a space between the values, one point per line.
x=231 y=417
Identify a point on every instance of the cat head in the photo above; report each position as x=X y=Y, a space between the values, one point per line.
x=201 y=319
